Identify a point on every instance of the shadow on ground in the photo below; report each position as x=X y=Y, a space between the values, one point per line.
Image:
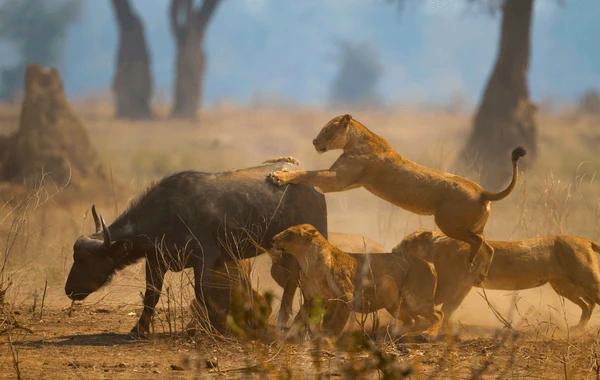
x=103 y=339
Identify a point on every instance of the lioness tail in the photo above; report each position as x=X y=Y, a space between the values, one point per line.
x=517 y=153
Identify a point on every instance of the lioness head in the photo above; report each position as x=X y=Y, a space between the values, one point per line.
x=334 y=134
x=297 y=240
x=417 y=244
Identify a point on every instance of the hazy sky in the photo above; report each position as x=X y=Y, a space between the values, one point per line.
x=287 y=48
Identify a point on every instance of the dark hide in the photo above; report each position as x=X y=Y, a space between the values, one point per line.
x=196 y=220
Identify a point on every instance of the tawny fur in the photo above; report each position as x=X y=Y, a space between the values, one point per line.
x=460 y=207
x=282 y=267
x=361 y=283
x=568 y=263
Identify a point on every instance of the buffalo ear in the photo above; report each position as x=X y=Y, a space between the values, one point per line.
x=119 y=247
x=426 y=235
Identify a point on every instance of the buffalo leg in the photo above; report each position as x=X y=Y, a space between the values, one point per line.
x=209 y=299
x=285 y=271
x=154 y=282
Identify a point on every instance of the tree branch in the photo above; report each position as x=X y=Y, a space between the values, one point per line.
x=123 y=11
x=181 y=13
x=204 y=14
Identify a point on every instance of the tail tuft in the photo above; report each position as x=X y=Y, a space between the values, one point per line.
x=285 y=159
x=518 y=152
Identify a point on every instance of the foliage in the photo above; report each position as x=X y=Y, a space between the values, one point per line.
x=589 y=103
x=36 y=30
x=358 y=76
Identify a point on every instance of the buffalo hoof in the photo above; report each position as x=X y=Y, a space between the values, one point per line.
x=282 y=321
x=191 y=331
x=297 y=333
x=577 y=329
x=447 y=337
x=137 y=333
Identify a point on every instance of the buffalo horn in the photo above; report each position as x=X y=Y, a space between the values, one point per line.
x=106 y=233
x=96 y=219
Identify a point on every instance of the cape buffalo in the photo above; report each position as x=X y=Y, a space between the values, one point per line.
x=197 y=220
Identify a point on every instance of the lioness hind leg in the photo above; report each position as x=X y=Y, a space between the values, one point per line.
x=480 y=257
x=468 y=230
x=576 y=295
x=487 y=263
x=480 y=253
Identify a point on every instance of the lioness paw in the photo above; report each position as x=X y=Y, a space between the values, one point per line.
x=478 y=270
x=279 y=177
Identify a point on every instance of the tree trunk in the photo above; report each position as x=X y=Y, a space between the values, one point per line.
x=505 y=118
x=132 y=83
x=189 y=65
x=189 y=27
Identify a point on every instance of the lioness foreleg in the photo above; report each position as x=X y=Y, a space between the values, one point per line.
x=327 y=180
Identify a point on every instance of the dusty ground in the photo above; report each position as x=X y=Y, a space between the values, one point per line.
x=93 y=343
x=560 y=194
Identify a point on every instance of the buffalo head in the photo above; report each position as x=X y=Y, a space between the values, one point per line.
x=95 y=260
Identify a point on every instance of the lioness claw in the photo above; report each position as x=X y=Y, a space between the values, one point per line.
x=275 y=178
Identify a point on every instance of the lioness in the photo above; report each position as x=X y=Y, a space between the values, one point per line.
x=364 y=283
x=460 y=206
x=568 y=263
x=282 y=267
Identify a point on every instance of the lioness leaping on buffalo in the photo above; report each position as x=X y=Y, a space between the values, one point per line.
x=569 y=263
x=460 y=206
x=363 y=283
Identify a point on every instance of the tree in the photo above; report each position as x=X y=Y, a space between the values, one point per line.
x=188 y=25
x=132 y=84
x=505 y=117
x=36 y=30
x=358 y=76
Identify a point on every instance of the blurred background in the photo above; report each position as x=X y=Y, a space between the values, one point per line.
x=424 y=52
x=156 y=86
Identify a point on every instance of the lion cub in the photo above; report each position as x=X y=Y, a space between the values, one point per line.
x=460 y=207
x=570 y=265
x=364 y=283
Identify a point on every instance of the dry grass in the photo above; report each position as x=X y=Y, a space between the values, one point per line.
x=561 y=194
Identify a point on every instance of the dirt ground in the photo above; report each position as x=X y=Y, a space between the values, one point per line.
x=92 y=343
x=559 y=194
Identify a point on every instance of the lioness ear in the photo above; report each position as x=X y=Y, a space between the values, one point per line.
x=346 y=119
